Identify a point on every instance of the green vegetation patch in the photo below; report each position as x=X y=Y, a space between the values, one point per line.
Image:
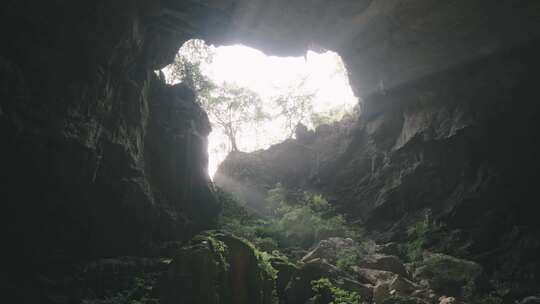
x=326 y=291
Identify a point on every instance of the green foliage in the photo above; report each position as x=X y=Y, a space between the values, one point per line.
x=187 y=67
x=429 y=234
x=233 y=108
x=266 y=244
x=347 y=259
x=219 y=249
x=295 y=106
x=294 y=225
x=329 y=116
x=449 y=275
x=324 y=288
x=264 y=263
x=275 y=198
x=137 y=292
x=303 y=221
x=235 y=218
x=419 y=235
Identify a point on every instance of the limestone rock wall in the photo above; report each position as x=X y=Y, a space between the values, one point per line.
x=99 y=157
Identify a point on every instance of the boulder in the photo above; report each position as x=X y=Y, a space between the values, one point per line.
x=330 y=249
x=403 y=300
x=365 y=291
x=384 y=262
x=381 y=292
x=426 y=294
x=215 y=268
x=447 y=300
x=285 y=271
x=372 y=276
x=388 y=249
x=530 y=300
x=300 y=289
x=398 y=290
x=446 y=274
x=402 y=285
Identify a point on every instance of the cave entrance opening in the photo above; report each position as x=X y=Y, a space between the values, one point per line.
x=254 y=100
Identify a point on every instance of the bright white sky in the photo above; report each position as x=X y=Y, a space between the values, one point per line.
x=325 y=74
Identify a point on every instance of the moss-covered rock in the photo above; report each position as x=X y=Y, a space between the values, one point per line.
x=285 y=273
x=300 y=287
x=447 y=274
x=215 y=268
x=384 y=262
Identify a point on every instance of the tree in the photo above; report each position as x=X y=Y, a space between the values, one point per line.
x=233 y=108
x=187 y=67
x=230 y=108
x=295 y=106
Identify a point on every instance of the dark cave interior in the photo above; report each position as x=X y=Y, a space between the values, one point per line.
x=103 y=166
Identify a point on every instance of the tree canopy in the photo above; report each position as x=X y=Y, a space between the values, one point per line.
x=234 y=110
x=231 y=108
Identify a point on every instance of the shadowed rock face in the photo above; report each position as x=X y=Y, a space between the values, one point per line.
x=215 y=268
x=99 y=157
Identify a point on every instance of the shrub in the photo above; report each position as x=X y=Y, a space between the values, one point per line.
x=266 y=244
x=295 y=225
x=419 y=235
x=304 y=221
x=434 y=236
x=347 y=259
x=235 y=218
x=326 y=290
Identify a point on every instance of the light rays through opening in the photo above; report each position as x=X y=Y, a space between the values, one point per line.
x=322 y=76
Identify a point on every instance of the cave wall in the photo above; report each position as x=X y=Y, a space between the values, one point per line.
x=460 y=145
x=449 y=126
x=99 y=156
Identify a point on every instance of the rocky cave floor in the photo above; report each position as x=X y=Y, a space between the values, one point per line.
x=246 y=259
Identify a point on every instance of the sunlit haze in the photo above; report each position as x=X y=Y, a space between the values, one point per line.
x=323 y=74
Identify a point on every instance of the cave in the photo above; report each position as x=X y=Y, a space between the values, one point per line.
x=104 y=179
